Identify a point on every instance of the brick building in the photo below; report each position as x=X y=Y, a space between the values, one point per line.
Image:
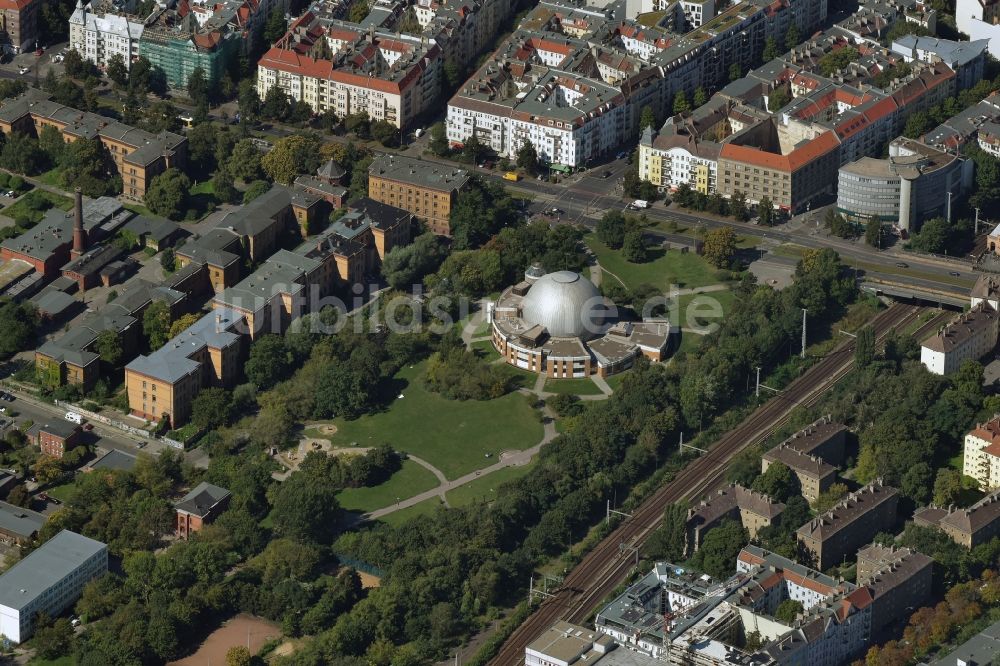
x=138 y=155
x=18 y=525
x=426 y=189
x=20 y=24
x=837 y=534
x=55 y=437
x=199 y=507
x=815 y=475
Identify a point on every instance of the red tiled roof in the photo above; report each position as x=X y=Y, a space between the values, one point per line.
x=795 y=160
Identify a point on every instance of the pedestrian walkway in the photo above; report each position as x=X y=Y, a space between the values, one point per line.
x=506 y=459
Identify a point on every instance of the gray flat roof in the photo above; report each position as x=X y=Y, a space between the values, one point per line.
x=418 y=172
x=115 y=460
x=980 y=649
x=20 y=521
x=46 y=566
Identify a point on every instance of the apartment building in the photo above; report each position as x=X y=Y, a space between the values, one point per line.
x=19 y=526
x=201 y=34
x=211 y=352
x=754 y=511
x=980 y=20
x=564 y=643
x=837 y=534
x=981 y=459
x=389 y=77
x=967 y=527
x=815 y=475
x=139 y=156
x=968 y=337
x=49 y=580
x=98 y=37
x=426 y=189
x=899 y=580
x=703 y=621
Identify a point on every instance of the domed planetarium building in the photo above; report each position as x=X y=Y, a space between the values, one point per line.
x=558 y=324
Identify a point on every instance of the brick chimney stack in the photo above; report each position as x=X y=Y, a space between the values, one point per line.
x=79 y=233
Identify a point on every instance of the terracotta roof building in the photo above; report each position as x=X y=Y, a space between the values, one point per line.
x=969 y=337
x=981 y=459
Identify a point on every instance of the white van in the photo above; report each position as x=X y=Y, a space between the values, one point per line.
x=74 y=417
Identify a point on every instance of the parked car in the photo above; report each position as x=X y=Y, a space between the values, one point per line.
x=902 y=264
x=8 y=397
x=22 y=70
x=954 y=274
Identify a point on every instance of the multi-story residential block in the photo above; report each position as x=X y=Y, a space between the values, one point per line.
x=966 y=126
x=98 y=37
x=967 y=527
x=203 y=504
x=195 y=34
x=48 y=581
x=139 y=156
x=388 y=77
x=754 y=510
x=965 y=58
x=851 y=523
x=19 y=24
x=815 y=475
x=426 y=189
x=969 y=337
x=565 y=643
x=899 y=580
x=981 y=459
x=701 y=621
x=211 y=352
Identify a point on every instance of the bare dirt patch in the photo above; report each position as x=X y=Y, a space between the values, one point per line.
x=240 y=630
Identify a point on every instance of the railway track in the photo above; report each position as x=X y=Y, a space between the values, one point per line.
x=603 y=568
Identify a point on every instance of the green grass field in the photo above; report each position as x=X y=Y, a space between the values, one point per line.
x=62 y=492
x=702 y=305
x=410 y=480
x=581 y=386
x=671 y=268
x=32 y=206
x=485 y=488
x=615 y=381
x=452 y=435
x=403 y=516
x=486 y=350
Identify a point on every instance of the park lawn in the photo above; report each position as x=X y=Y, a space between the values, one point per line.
x=485 y=488
x=667 y=269
x=63 y=492
x=410 y=480
x=572 y=386
x=486 y=350
x=702 y=302
x=615 y=381
x=138 y=209
x=403 y=516
x=650 y=19
x=452 y=435
x=689 y=342
x=51 y=177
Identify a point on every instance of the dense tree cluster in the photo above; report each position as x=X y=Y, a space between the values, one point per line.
x=459 y=374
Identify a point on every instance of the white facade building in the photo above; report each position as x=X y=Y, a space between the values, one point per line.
x=981 y=459
x=99 y=37
x=978 y=19
x=968 y=338
x=49 y=581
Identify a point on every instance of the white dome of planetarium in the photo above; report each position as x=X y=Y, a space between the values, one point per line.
x=566 y=304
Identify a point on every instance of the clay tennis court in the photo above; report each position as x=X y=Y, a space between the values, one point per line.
x=235 y=631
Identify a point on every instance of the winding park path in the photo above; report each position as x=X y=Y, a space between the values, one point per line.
x=506 y=458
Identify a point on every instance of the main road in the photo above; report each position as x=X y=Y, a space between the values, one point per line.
x=603 y=568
